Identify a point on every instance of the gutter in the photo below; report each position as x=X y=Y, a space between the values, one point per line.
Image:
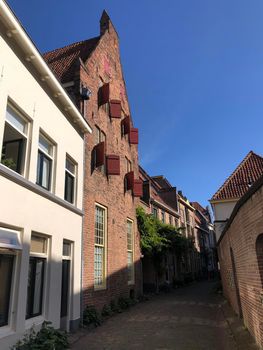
x=16 y=31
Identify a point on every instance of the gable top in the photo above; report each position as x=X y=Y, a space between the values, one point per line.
x=161 y=181
x=63 y=61
x=238 y=183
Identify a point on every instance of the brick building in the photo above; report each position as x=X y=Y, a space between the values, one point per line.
x=92 y=74
x=161 y=200
x=240 y=254
x=235 y=186
x=205 y=240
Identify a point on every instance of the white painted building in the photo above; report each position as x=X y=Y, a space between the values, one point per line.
x=41 y=187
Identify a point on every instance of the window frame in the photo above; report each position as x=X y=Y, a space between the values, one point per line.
x=73 y=176
x=21 y=166
x=131 y=251
x=103 y=285
x=45 y=156
x=40 y=257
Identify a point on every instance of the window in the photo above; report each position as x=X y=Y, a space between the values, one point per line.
x=99 y=248
x=100 y=136
x=130 y=261
x=128 y=165
x=44 y=162
x=9 y=243
x=14 y=141
x=70 y=174
x=35 y=286
x=170 y=220
x=6 y=272
x=155 y=212
x=163 y=216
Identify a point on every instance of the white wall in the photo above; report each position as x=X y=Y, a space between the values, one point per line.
x=222 y=212
x=28 y=211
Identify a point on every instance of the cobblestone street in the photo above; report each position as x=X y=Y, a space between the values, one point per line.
x=190 y=318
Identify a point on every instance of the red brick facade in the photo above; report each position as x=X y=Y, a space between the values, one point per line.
x=240 y=255
x=101 y=67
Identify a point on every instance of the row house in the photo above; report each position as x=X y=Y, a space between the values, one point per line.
x=234 y=187
x=205 y=240
x=159 y=199
x=41 y=186
x=91 y=72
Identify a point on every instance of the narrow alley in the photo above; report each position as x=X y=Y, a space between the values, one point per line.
x=191 y=318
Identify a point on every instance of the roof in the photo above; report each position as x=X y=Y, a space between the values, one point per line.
x=252 y=190
x=161 y=181
x=22 y=43
x=238 y=183
x=63 y=61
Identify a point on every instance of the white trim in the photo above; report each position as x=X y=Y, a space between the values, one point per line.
x=15 y=31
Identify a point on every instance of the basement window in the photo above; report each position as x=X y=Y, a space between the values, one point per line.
x=14 y=141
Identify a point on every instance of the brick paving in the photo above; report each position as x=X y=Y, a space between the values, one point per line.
x=190 y=318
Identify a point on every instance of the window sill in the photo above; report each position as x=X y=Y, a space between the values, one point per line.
x=6 y=331
x=20 y=180
x=34 y=321
x=99 y=288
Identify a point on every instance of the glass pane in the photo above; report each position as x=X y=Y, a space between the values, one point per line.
x=6 y=270
x=98 y=266
x=46 y=166
x=39 y=157
x=45 y=145
x=70 y=166
x=69 y=188
x=129 y=235
x=38 y=244
x=9 y=239
x=66 y=249
x=65 y=288
x=14 y=118
x=37 y=298
x=99 y=226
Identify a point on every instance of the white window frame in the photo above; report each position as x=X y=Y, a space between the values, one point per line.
x=5 y=330
x=74 y=175
x=30 y=321
x=104 y=246
x=130 y=251
x=50 y=157
x=25 y=135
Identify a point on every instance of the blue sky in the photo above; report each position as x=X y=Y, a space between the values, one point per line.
x=194 y=73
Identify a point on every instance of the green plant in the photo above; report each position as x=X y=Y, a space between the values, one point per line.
x=107 y=311
x=124 y=303
x=48 y=338
x=91 y=316
x=115 y=307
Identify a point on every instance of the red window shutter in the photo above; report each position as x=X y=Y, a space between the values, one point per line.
x=126 y=125
x=113 y=165
x=137 y=188
x=115 y=109
x=104 y=94
x=100 y=154
x=133 y=136
x=129 y=180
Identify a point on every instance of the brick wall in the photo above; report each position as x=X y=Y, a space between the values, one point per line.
x=240 y=272
x=104 y=66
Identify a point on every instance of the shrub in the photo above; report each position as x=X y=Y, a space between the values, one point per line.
x=124 y=303
x=107 y=311
x=115 y=307
x=47 y=338
x=91 y=316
